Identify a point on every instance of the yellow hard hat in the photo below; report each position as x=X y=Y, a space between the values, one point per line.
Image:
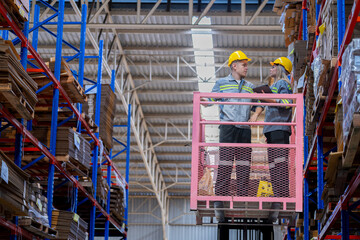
x=285 y=62
x=237 y=55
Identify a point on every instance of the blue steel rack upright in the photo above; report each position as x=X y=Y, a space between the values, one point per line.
x=344 y=38
x=23 y=132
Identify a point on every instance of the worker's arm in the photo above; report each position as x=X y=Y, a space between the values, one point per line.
x=283 y=88
x=256 y=114
x=216 y=89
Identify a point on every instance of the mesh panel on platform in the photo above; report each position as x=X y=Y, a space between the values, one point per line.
x=247 y=172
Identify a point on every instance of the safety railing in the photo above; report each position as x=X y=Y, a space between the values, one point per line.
x=247 y=175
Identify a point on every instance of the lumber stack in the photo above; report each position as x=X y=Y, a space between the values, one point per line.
x=117 y=203
x=17 y=88
x=14 y=189
x=69 y=225
x=107 y=114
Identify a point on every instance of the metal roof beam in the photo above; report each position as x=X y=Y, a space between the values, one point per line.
x=99 y=11
x=160 y=12
x=252 y=52
x=257 y=12
x=206 y=10
x=138 y=11
x=160 y=27
x=243 y=12
x=259 y=50
x=151 y=12
x=191 y=7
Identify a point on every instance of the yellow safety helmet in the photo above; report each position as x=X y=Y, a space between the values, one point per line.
x=237 y=56
x=285 y=62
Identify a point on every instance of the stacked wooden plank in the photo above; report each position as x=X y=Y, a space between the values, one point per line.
x=107 y=114
x=17 y=88
x=69 y=225
x=14 y=188
x=117 y=203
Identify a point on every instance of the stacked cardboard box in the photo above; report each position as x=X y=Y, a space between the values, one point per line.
x=297 y=51
x=102 y=188
x=280 y=5
x=69 y=225
x=117 y=203
x=37 y=222
x=18 y=10
x=107 y=114
x=71 y=86
x=291 y=23
x=17 y=88
x=68 y=82
x=71 y=148
x=14 y=188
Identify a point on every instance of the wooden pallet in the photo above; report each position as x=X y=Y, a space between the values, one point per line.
x=37 y=228
x=73 y=166
x=90 y=122
x=15 y=103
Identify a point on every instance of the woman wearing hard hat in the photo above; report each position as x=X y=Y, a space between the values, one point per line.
x=277 y=134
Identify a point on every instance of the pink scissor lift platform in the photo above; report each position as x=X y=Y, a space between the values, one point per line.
x=249 y=184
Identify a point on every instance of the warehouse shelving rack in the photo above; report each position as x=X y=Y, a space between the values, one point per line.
x=342 y=207
x=24 y=132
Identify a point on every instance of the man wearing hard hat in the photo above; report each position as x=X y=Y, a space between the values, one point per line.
x=234 y=83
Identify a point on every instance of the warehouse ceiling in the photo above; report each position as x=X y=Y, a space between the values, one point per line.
x=150 y=44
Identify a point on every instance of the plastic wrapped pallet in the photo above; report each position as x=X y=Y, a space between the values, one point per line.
x=350 y=80
x=317 y=68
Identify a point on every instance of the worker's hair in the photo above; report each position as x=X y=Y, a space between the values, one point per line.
x=281 y=73
x=231 y=65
